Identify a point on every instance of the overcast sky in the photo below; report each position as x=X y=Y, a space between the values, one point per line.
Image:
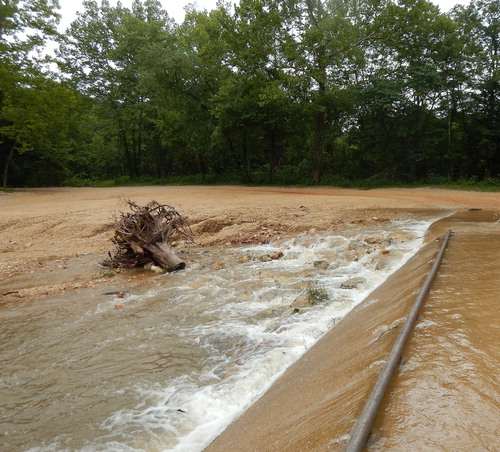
x=175 y=8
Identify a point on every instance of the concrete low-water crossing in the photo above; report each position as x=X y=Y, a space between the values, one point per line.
x=444 y=395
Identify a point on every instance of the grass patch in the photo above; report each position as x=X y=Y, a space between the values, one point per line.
x=293 y=179
x=104 y=274
x=316 y=293
x=246 y=258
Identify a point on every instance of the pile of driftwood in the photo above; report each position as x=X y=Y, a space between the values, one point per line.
x=145 y=235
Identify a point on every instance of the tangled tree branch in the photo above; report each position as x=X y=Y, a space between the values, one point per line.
x=144 y=235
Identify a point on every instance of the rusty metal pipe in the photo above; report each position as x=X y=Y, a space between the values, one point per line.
x=364 y=424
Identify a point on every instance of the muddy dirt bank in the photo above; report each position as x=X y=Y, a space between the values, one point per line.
x=52 y=239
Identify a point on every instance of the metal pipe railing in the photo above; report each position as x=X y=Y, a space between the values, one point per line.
x=364 y=424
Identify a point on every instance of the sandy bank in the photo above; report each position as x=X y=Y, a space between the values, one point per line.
x=51 y=239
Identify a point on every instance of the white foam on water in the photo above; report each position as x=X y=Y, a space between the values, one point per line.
x=250 y=334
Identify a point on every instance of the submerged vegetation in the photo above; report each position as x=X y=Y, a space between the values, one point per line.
x=316 y=293
x=338 y=92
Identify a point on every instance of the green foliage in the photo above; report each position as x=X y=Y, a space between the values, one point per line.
x=110 y=273
x=285 y=92
x=316 y=293
x=25 y=93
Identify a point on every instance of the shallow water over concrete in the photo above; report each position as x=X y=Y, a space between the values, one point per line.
x=446 y=396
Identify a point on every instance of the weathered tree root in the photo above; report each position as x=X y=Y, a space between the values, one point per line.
x=145 y=236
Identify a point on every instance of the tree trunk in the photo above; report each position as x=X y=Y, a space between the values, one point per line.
x=128 y=155
x=7 y=164
x=144 y=236
x=273 y=152
x=162 y=255
x=246 y=159
x=138 y=154
x=319 y=144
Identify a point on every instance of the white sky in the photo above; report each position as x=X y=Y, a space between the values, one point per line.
x=175 y=8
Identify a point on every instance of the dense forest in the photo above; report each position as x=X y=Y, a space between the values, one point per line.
x=263 y=92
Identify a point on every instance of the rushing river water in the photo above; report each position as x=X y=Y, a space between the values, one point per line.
x=169 y=366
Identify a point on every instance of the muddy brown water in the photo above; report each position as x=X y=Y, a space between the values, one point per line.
x=67 y=367
x=89 y=370
x=446 y=394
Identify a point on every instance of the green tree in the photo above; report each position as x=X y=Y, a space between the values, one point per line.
x=103 y=54
x=182 y=75
x=42 y=122
x=255 y=103
x=25 y=26
x=331 y=53
x=410 y=91
x=479 y=25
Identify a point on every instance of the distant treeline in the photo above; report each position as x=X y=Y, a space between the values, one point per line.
x=264 y=92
